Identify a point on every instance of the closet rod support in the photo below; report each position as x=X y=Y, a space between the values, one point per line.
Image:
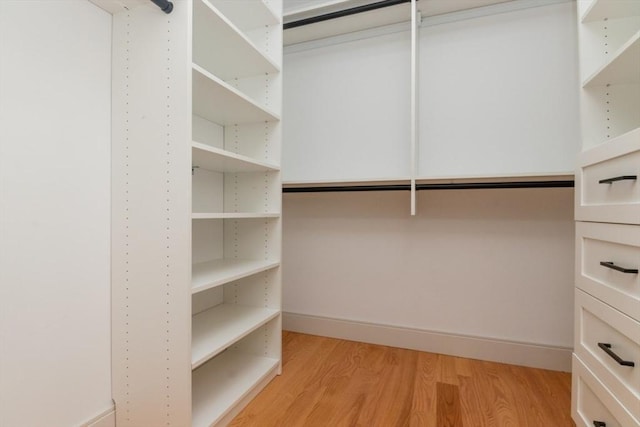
x=165 y=5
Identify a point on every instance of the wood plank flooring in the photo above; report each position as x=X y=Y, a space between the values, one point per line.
x=330 y=383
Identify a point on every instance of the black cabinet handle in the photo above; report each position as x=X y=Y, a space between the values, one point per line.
x=607 y=349
x=618 y=178
x=612 y=266
x=599 y=424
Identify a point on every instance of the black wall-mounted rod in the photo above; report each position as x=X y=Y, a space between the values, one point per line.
x=618 y=178
x=443 y=186
x=342 y=13
x=165 y=5
x=344 y=188
x=495 y=185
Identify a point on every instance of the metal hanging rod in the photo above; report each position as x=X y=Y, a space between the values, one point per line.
x=165 y=5
x=342 y=13
x=443 y=186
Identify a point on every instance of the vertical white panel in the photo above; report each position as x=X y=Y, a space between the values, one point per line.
x=500 y=94
x=347 y=110
x=415 y=18
x=152 y=216
x=54 y=212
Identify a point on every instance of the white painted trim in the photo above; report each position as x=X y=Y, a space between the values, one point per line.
x=491 y=349
x=106 y=419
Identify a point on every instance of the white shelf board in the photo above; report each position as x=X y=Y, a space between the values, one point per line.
x=341 y=182
x=247 y=15
x=525 y=177
x=219 y=160
x=117 y=6
x=622 y=68
x=555 y=176
x=233 y=215
x=607 y=9
x=219 y=327
x=223 y=382
x=218 y=102
x=206 y=275
x=222 y=48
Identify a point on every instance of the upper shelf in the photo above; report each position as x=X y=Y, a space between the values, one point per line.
x=219 y=102
x=223 y=49
x=622 y=68
x=247 y=15
x=117 y=6
x=218 y=160
x=600 y=10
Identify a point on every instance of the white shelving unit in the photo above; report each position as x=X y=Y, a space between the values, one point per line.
x=197 y=99
x=609 y=35
x=607 y=303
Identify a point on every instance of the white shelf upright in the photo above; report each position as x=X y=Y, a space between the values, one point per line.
x=196 y=211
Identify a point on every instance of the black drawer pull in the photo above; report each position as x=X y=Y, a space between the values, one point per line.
x=599 y=424
x=607 y=349
x=618 y=178
x=612 y=266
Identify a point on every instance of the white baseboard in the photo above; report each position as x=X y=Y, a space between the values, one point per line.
x=514 y=353
x=105 y=419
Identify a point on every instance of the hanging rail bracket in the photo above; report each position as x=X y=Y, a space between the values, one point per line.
x=165 y=5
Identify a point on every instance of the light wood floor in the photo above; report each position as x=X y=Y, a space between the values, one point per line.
x=329 y=383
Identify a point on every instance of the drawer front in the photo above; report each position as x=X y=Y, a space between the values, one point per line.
x=592 y=403
x=618 y=247
x=598 y=326
x=605 y=190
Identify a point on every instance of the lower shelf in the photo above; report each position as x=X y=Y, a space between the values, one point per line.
x=217 y=328
x=222 y=383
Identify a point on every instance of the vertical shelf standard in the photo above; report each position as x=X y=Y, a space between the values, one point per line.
x=197 y=99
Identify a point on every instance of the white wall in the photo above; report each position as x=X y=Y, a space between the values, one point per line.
x=485 y=263
x=54 y=212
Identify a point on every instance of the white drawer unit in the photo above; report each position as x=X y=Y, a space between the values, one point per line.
x=608 y=342
x=606 y=368
x=593 y=404
x=607 y=263
x=607 y=181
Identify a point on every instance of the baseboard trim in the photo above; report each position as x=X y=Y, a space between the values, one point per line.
x=490 y=349
x=105 y=419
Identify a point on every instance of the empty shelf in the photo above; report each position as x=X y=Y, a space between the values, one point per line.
x=220 y=47
x=622 y=68
x=217 y=101
x=219 y=327
x=206 y=275
x=223 y=382
x=247 y=15
x=601 y=9
x=233 y=215
x=219 y=160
